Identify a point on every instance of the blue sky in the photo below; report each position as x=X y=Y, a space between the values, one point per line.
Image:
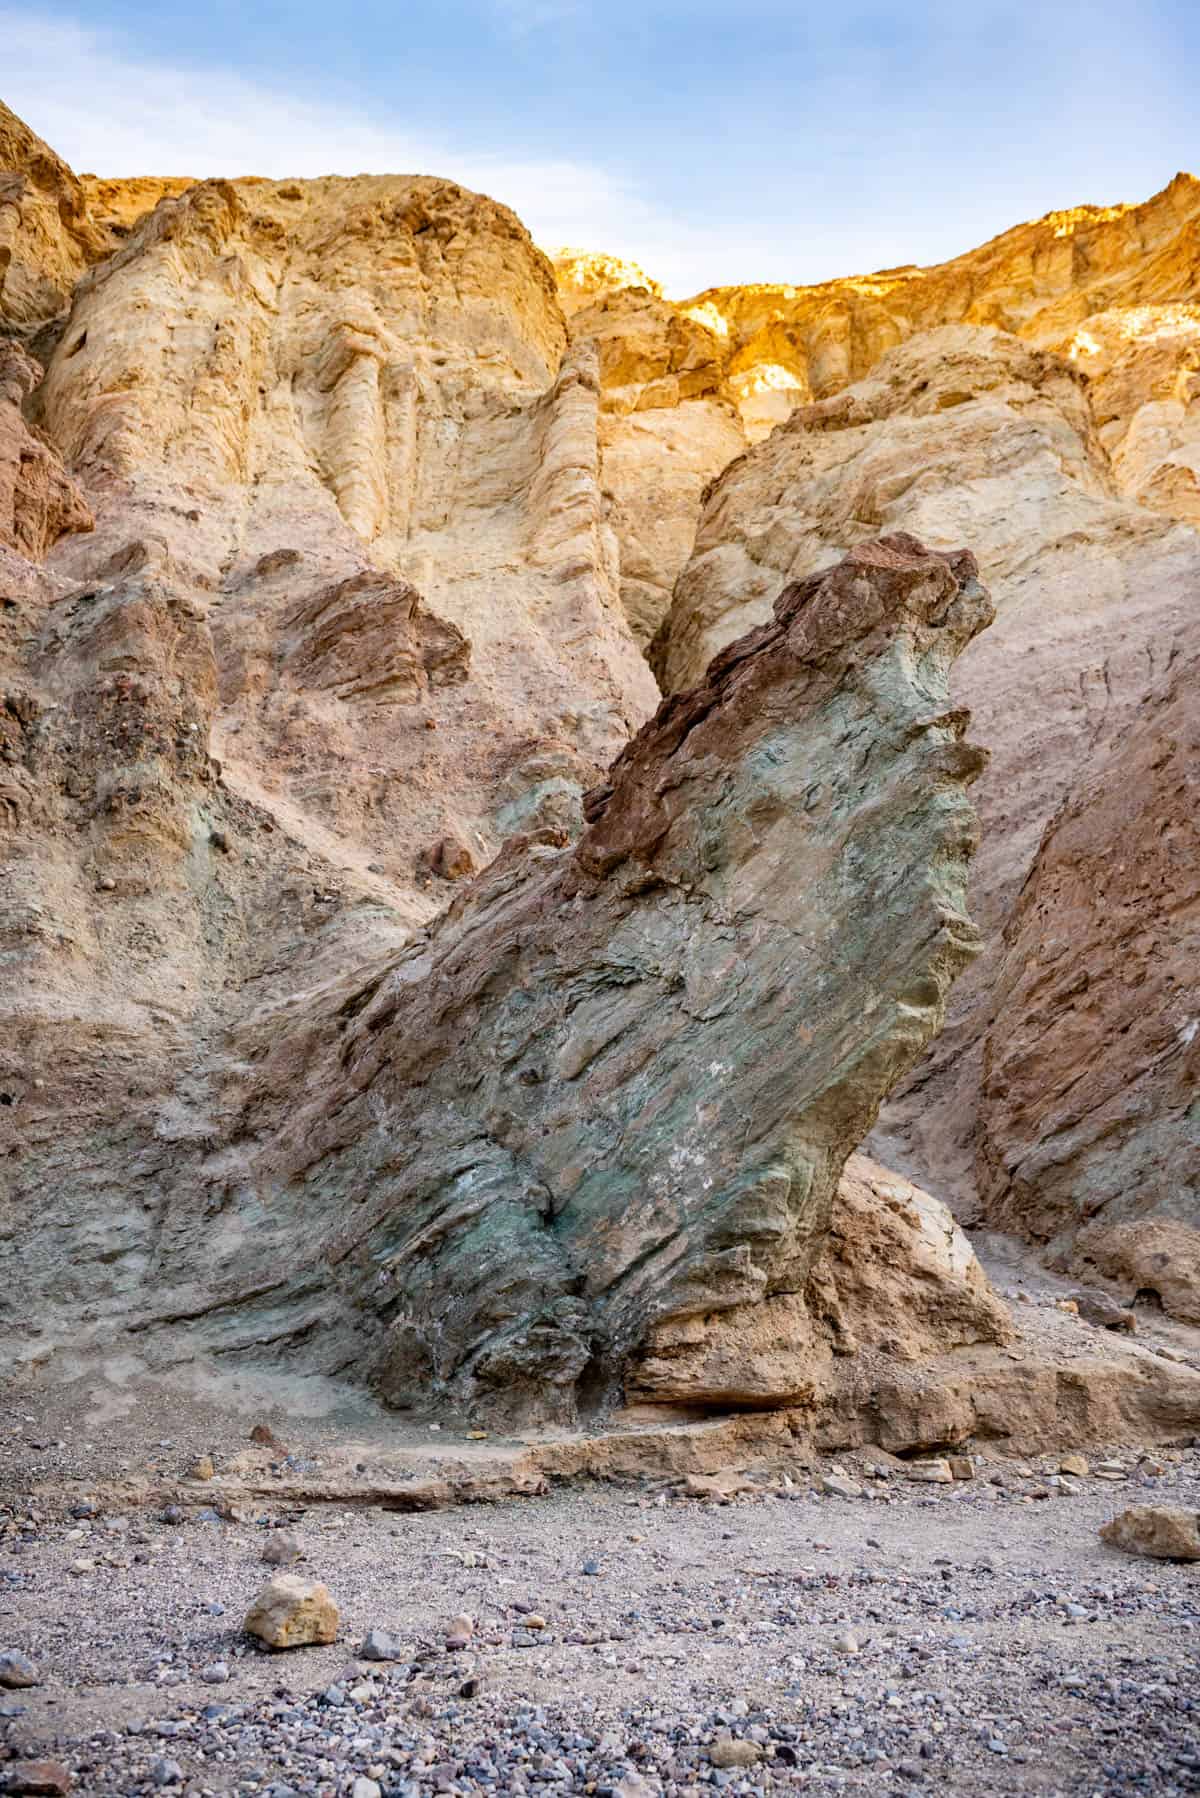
x=746 y=140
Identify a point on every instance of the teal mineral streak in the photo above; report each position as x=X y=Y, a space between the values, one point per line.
x=616 y=1085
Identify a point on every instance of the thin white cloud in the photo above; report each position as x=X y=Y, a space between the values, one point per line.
x=886 y=161
x=111 y=113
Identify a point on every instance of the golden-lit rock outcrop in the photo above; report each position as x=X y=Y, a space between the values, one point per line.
x=690 y=382
x=47 y=236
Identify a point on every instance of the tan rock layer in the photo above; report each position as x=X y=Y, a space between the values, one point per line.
x=39 y=502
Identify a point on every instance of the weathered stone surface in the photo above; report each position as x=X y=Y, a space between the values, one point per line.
x=37 y=1779
x=39 y=503
x=895 y=1279
x=17 y=1669
x=350 y=620
x=1090 y=1134
x=347 y=411
x=47 y=235
x=1143 y=369
x=1109 y=286
x=231 y=718
x=585 y=276
x=668 y=425
x=930 y=1473
x=1156 y=1531
x=964 y=434
x=727 y=1750
x=605 y=1147
x=292 y=1612
x=281 y=1550
x=1041 y=281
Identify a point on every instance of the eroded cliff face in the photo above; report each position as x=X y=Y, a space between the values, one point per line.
x=1040 y=281
x=1089 y=1118
x=39 y=502
x=611 y=1089
x=243 y=748
x=668 y=425
x=317 y=401
x=47 y=235
x=327 y=548
x=1108 y=286
x=1143 y=369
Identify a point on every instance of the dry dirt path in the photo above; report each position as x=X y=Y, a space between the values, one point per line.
x=971 y=1639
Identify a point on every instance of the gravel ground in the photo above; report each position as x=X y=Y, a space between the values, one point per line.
x=972 y=1638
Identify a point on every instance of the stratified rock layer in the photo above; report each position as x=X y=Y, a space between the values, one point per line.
x=233 y=722
x=613 y=1087
x=616 y=1085
x=1090 y=1122
x=319 y=547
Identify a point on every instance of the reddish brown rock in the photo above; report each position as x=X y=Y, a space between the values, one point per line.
x=37 y=1779
x=369 y=638
x=449 y=859
x=1090 y=1126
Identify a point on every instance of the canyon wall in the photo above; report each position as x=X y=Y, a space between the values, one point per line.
x=391 y=991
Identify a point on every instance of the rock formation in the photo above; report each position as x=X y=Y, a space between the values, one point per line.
x=1089 y=1120
x=547 y=1129
x=1040 y=281
x=1143 y=370
x=963 y=435
x=314 y=402
x=895 y=1281
x=329 y=537
x=39 y=503
x=1106 y=285
x=668 y=425
x=635 y=1068
x=47 y=236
